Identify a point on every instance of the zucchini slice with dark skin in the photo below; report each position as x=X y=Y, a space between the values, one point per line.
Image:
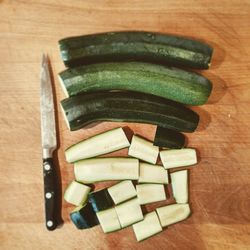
x=101 y=200
x=170 y=83
x=129 y=106
x=84 y=217
x=135 y=45
x=167 y=138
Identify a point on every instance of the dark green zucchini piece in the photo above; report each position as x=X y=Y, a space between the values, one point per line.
x=130 y=106
x=171 y=83
x=84 y=217
x=135 y=45
x=101 y=200
x=167 y=138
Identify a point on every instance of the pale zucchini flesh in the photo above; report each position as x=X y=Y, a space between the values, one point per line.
x=100 y=144
x=149 y=226
x=171 y=214
x=152 y=174
x=108 y=220
x=104 y=169
x=174 y=158
x=129 y=212
x=148 y=193
x=179 y=182
x=122 y=191
x=65 y=116
x=143 y=150
x=76 y=193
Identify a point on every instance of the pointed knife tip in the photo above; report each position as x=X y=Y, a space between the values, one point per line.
x=45 y=61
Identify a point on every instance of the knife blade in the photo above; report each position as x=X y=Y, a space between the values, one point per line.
x=49 y=144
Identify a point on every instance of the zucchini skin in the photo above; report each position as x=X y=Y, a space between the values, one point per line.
x=100 y=200
x=168 y=138
x=135 y=45
x=171 y=83
x=84 y=218
x=130 y=106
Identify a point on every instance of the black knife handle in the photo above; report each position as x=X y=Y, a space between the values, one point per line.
x=50 y=193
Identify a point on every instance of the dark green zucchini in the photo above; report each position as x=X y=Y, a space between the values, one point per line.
x=101 y=200
x=130 y=106
x=171 y=83
x=84 y=217
x=135 y=45
x=167 y=138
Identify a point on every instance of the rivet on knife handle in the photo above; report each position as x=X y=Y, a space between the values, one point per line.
x=50 y=193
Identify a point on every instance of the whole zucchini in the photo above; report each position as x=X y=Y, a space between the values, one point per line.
x=135 y=45
x=171 y=83
x=128 y=106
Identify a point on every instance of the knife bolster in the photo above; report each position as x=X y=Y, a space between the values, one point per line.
x=47 y=153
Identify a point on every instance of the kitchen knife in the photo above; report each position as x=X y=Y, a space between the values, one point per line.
x=49 y=144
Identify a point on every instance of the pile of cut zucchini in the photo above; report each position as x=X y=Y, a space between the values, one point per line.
x=132 y=77
x=119 y=205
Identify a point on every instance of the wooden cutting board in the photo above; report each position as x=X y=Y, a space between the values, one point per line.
x=219 y=184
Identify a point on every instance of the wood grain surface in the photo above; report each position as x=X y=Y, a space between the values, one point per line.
x=219 y=184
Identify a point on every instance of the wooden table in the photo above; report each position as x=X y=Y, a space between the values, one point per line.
x=219 y=184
